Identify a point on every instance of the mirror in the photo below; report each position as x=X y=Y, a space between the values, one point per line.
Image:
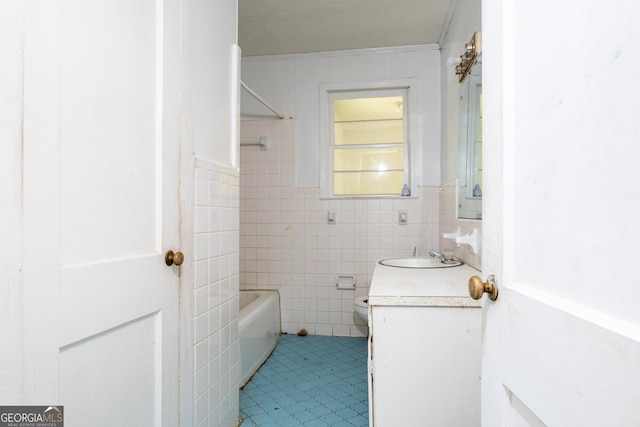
x=469 y=204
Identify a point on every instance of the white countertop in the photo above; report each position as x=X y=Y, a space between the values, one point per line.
x=444 y=287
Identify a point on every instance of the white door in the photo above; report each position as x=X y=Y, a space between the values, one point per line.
x=561 y=345
x=101 y=140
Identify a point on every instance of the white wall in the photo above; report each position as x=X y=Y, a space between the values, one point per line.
x=211 y=31
x=291 y=84
x=209 y=234
x=465 y=20
x=286 y=243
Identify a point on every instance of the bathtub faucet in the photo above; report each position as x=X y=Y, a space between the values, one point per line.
x=415 y=251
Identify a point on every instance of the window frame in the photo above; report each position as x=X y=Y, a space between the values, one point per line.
x=327 y=94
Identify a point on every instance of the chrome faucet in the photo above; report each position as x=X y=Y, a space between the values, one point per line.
x=444 y=258
x=415 y=251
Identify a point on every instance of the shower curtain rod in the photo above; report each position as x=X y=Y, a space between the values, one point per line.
x=262 y=101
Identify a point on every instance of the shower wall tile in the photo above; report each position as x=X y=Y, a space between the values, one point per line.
x=215 y=304
x=286 y=243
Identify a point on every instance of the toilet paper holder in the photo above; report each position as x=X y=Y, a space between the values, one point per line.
x=346 y=281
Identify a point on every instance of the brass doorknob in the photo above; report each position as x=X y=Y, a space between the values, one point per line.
x=477 y=287
x=171 y=258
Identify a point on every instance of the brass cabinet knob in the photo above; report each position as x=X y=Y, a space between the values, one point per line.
x=477 y=287
x=171 y=258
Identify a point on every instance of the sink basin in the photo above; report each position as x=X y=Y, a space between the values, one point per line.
x=415 y=262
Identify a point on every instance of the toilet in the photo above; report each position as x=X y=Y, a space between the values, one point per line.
x=362 y=308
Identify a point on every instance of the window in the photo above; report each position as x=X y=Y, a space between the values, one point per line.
x=367 y=142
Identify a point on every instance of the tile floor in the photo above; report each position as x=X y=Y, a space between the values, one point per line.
x=309 y=381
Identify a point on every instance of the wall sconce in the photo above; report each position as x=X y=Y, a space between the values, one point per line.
x=468 y=58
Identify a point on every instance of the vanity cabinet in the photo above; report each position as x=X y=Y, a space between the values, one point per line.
x=424 y=348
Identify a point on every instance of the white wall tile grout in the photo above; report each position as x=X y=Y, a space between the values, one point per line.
x=215 y=296
x=286 y=243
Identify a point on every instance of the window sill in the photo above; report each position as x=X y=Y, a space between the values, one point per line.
x=372 y=197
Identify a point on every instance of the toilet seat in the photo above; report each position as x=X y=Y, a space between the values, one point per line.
x=361 y=307
x=362 y=301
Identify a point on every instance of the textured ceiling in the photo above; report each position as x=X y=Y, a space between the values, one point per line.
x=272 y=27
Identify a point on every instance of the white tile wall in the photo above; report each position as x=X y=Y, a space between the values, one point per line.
x=215 y=297
x=286 y=243
x=448 y=222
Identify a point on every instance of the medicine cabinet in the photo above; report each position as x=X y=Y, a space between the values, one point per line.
x=469 y=204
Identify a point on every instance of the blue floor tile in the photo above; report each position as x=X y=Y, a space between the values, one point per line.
x=311 y=381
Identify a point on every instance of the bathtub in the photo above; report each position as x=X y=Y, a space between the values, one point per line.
x=259 y=329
